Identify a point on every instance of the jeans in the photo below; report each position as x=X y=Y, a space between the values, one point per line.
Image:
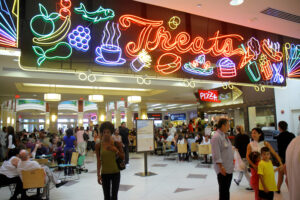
x=126 y=151
x=68 y=156
x=4 y=180
x=224 y=186
x=110 y=185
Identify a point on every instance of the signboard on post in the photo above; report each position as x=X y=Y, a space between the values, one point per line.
x=145 y=135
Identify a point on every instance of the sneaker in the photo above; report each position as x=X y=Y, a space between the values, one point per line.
x=249 y=188
x=60 y=184
x=236 y=182
x=278 y=192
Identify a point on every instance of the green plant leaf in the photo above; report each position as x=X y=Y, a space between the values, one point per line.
x=43 y=10
x=38 y=50
x=54 y=16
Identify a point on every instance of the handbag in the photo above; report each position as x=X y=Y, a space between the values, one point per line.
x=120 y=162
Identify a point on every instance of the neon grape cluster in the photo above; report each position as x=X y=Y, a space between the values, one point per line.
x=79 y=38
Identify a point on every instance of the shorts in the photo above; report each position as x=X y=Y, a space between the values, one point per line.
x=264 y=195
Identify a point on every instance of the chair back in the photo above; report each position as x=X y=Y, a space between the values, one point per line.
x=194 y=147
x=182 y=148
x=33 y=178
x=42 y=161
x=204 y=149
x=155 y=145
x=169 y=143
x=74 y=158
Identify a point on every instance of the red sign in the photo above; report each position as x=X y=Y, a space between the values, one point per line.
x=209 y=95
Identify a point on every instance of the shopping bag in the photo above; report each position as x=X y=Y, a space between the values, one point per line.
x=239 y=164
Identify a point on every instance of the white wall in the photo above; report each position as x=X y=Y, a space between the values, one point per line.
x=288 y=100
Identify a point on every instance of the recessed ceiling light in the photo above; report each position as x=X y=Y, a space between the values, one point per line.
x=199 y=5
x=236 y=2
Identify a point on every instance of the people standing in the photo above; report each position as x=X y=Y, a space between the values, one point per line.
x=90 y=142
x=116 y=136
x=241 y=142
x=172 y=130
x=10 y=141
x=107 y=169
x=3 y=148
x=69 y=147
x=292 y=167
x=283 y=140
x=81 y=143
x=223 y=158
x=124 y=132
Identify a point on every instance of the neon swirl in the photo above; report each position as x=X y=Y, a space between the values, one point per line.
x=272 y=50
x=174 y=22
x=100 y=15
x=252 y=71
x=226 y=68
x=277 y=78
x=46 y=18
x=265 y=67
x=110 y=53
x=79 y=38
x=64 y=12
x=169 y=67
x=8 y=33
x=199 y=67
x=221 y=45
x=292 y=59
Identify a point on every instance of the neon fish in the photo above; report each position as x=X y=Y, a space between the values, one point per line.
x=100 y=15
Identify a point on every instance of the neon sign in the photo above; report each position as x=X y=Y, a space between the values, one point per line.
x=100 y=15
x=46 y=18
x=174 y=22
x=65 y=12
x=253 y=71
x=246 y=58
x=271 y=49
x=8 y=33
x=292 y=54
x=278 y=78
x=43 y=54
x=143 y=60
x=110 y=53
x=168 y=67
x=265 y=67
x=226 y=68
x=79 y=38
x=194 y=67
x=254 y=46
x=209 y=95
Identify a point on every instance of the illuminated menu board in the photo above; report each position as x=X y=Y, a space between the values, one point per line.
x=138 y=39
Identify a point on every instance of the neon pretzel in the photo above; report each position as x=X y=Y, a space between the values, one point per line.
x=110 y=53
x=277 y=78
x=292 y=57
x=65 y=8
x=252 y=71
x=226 y=68
x=272 y=50
x=265 y=67
x=8 y=33
x=170 y=67
x=193 y=67
x=246 y=58
x=182 y=42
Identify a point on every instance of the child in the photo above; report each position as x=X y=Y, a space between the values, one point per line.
x=267 y=183
x=254 y=180
x=58 y=153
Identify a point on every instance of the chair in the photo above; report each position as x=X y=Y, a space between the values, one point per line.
x=72 y=165
x=182 y=149
x=194 y=147
x=35 y=179
x=42 y=161
x=204 y=149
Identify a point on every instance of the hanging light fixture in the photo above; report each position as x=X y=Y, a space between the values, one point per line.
x=96 y=98
x=52 y=97
x=236 y=2
x=134 y=99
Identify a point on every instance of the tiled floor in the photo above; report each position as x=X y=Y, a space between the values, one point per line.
x=174 y=181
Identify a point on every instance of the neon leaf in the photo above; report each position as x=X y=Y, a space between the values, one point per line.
x=41 y=60
x=53 y=16
x=38 y=50
x=43 y=10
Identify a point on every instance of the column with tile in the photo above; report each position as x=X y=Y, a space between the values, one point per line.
x=129 y=117
x=80 y=113
x=143 y=110
x=53 y=112
x=101 y=113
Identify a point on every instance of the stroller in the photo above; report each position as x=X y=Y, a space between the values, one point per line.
x=81 y=165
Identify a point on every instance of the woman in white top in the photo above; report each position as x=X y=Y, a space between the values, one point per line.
x=182 y=140
x=10 y=141
x=258 y=142
x=116 y=136
x=205 y=140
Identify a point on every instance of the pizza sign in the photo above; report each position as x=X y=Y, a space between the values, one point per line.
x=209 y=95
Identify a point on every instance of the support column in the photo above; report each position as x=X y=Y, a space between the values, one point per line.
x=109 y=116
x=80 y=114
x=143 y=111
x=238 y=118
x=101 y=113
x=129 y=118
x=53 y=107
x=118 y=118
x=252 y=117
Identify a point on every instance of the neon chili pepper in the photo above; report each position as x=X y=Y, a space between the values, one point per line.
x=43 y=54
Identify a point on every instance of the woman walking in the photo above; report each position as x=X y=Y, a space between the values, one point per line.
x=107 y=152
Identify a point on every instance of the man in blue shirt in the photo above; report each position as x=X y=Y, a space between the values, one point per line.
x=222 y=155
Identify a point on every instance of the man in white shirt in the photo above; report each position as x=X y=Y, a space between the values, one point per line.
x=25 y=165
x=172 y=130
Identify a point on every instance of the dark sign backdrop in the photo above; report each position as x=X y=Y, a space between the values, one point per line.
x=128 y=37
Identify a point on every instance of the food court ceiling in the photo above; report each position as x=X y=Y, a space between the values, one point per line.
x=248 y=14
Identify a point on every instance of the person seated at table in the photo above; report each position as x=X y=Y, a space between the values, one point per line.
x=58 y=153
x=9 y=175
x=205 y=141
x=25 y=164
x=42 y=150
x=198 y=138
x=182 y=140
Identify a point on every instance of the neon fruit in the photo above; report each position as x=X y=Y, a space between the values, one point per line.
x=253 y=72
x=246 y=58
x=56 y=36
x=64 y=12
x=8 y=33
x=79 y=38
x=43 y=54
x=226 y=68
x=169 y=67
x=277 y=78
x=143 y=60
x=292 y=58
x=45 y=17
x=110 y=53
x=199 y=67
x=182 y=42
x=272 y=50
x=174 y=22
x=100 y=15
x=254 y=46
x=265 y=67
